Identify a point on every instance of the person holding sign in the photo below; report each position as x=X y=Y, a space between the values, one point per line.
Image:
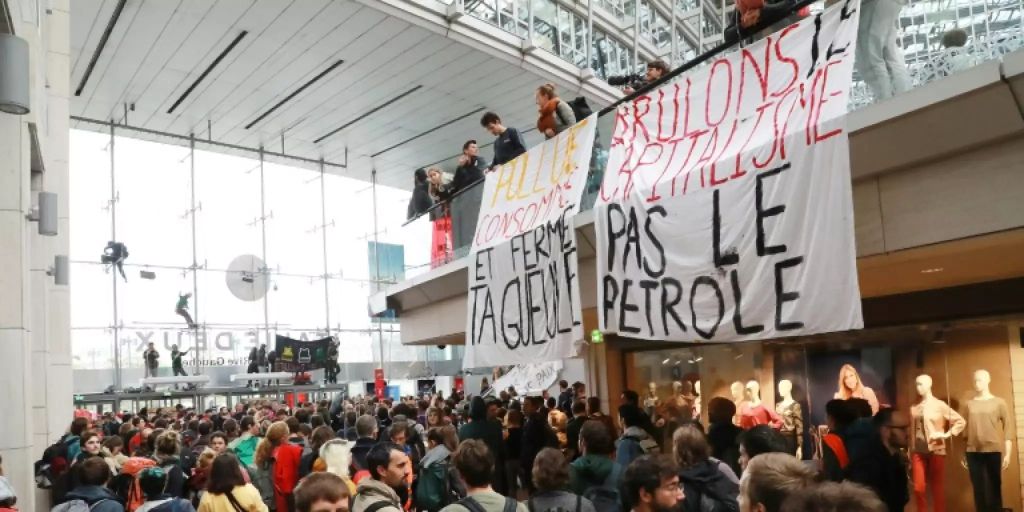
x=509 y=143
x=555 y=114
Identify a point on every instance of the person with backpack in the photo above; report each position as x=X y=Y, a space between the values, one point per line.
x=437 y=481
x=555 y=114
x=336 y=456
x=596 y=475
x=277 y=462
x=92 y=494
x=709 y=485
x=635 y=441
x=550 y=478
x=475 y=465
x=227 y=490
x=389 y=471
x=166 y=454
x=153 y=482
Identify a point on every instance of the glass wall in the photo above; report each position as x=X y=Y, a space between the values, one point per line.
x=206 y=228
x=955 y=375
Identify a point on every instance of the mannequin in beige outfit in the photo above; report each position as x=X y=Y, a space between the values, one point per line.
x=932 y=423
x=738 y=391
x=988 y=443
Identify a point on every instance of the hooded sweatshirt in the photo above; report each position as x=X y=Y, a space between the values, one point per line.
x=487 y=431
x=706 y=481
x=371 y=491
x=591 y=470
x=634 y=442
x=244 y=448
x=99 y=499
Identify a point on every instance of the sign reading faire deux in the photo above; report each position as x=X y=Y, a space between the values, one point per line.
x=524 y=303
x=725 y=212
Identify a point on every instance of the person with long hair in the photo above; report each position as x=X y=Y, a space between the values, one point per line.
x=555 y=114
x=850 y=386
x=227 y=491
x=286 y=457
x=166 y=453
x=705 y=479
x=321 y=435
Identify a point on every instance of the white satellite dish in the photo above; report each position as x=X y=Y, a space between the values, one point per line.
x=246 y=278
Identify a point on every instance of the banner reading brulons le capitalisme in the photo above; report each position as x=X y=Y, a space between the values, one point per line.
x=725 y=212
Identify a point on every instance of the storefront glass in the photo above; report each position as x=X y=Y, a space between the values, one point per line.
x=949 y=381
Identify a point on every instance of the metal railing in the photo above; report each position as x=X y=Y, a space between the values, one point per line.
x=993 y=29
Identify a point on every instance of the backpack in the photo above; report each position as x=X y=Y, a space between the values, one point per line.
x=579 y=506
x=54 y=463
x=126 y=484
x=75 y=506
x=263 y=480
x=581 y=110
x=433 y=487
x=472 y=505
x=606 y=497
x=647 y=445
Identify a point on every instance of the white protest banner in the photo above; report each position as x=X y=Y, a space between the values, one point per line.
x=725 y=213
x=535 y=188
x=529 y=378
x=524 y=297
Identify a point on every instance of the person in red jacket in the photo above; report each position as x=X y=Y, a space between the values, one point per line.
x=286 y=458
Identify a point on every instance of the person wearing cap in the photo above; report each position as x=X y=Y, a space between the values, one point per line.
x=153 y=482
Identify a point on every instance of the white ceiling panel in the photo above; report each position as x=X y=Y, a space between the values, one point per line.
x=158 y=49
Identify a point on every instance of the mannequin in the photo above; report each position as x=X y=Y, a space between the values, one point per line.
x=754 y=411
x=696 y=401
x=738 y=391
x=988 y=444
x=792 y=418
x=932 y=423
x=651 y=401
x=682 y=401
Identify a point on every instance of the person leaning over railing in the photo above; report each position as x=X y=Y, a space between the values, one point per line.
x=555 y=114
x=471 y=168
x=420 y=201
x=509 y=143
x=630 y=83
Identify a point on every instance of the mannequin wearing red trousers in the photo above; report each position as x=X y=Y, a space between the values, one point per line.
x=932 y=423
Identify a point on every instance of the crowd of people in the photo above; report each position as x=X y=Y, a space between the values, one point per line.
x=501 y=453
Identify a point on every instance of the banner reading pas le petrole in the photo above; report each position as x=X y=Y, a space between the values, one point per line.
x=524 y=302
x=726 y=210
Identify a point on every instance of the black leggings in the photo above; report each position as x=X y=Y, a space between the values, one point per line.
x=986 y=476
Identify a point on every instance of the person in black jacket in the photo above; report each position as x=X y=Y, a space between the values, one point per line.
x=366 y=429
x=723 y=435
x=537 y=435
x=631 y=83
x=706 y=481
x=881 y=465
x=420 y=201
x=508 y=145
x=470 y=170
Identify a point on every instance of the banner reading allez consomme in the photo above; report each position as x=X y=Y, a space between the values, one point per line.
x=726 y=211
x=524 y=297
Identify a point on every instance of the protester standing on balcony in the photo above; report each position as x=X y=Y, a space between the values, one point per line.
x=655 y=70
x=555 y=114
x=420 y=201
x=879 y=57
x=471 y=167
x=509 y=143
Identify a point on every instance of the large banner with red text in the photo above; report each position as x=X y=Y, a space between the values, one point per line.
x=524 y=297
x=725 y=212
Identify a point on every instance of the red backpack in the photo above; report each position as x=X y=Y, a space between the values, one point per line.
x=127 y=482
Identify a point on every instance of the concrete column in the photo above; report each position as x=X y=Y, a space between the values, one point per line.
x=35 y=334
x=17 y=382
